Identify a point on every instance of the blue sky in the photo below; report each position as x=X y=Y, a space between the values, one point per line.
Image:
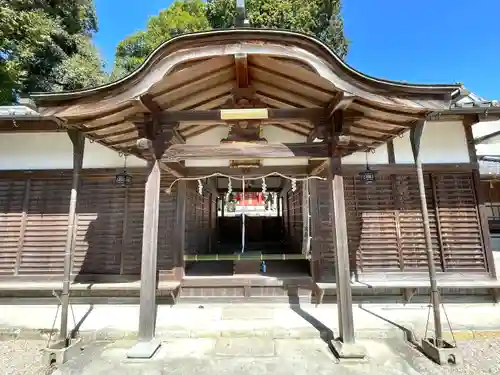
x=426 y=41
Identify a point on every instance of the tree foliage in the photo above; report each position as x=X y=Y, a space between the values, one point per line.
x=180 y=18
x=320 y=18
x=45 y=45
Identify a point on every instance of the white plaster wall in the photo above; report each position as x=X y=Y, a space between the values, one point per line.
x=442 y=142
x=380 y=156
x=486 y=127
x=490 y=149
x=491 y=146
x=54 y=151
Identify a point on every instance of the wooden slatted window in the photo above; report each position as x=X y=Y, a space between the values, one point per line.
x=459 y=222
x=46 y=227
x=166 y=225
x=378 y=243
x=295 y=217
x=411 y=225
x=323 y=234
x=100 y=215
x=12 y=221
x=134 y=219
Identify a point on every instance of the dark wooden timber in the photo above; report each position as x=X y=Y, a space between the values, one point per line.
x=78 y=142
x=253 y=172
x=21 y=125
x=241 y=67
x=315 y=230
x=439 y=229
x=124 y=228
x=415 y=138
x=180 y=228
x=391 y=155
x=26 y=202
x=237 y=151
x=276 y=114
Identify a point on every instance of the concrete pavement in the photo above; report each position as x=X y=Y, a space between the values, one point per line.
x=250 y=339
x=247 y=320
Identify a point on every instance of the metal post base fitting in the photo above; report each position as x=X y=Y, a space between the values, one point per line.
x=59 y=352
x=447 y=354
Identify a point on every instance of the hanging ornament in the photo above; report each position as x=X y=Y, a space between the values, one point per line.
x=294 y=184
x=123 y=179
x=264 y=186
x=200 y=187
x=368 y=175
x=229 y=187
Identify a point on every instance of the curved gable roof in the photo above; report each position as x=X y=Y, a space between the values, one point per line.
x=283 y=37
x=287 y=69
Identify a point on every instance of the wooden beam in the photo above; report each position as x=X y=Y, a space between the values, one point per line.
x=340 y=102
x=154 y=149
x=241 y=67
x=147 y=103
x=316 y=169
x=147 y=344
x=215 y=115
x=376 y=122
x=78 y=142
x=237 y=151
x=238 y=172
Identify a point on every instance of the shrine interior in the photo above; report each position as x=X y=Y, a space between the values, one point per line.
x=258 y=229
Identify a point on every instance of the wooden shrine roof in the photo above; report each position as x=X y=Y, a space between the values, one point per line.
x=280 y=69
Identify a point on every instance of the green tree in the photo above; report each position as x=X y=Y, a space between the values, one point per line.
x=321 y=18
x=45 y=45
x=180 y=18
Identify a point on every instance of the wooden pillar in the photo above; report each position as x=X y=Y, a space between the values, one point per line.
x=147 y=345
x=78 y=142
x=345 y=346
x=315 y=229
x=180 y=229
x=24 y=219
x=415 y=137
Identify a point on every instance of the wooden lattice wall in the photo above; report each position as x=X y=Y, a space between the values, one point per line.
x=293 y=216
x=34 y=216
x=200 y=219
x=385 y=227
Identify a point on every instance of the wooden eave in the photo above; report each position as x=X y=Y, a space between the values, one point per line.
x=283 y=70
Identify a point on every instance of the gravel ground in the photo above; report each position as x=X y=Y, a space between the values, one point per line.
x=21 y=357
x=479 y=356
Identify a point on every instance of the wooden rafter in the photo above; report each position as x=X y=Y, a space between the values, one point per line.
x=241 y=69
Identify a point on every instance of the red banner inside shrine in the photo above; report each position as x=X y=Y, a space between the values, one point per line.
x=250 y=199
